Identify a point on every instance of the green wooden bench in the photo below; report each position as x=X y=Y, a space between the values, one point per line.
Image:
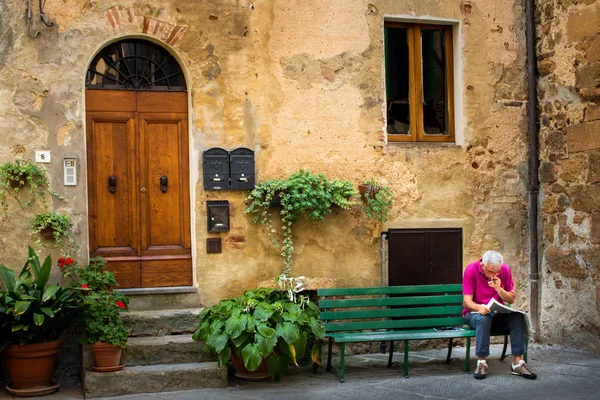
x=389 y=313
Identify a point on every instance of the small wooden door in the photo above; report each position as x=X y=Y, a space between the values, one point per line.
x=425 y=256
x=138 y=186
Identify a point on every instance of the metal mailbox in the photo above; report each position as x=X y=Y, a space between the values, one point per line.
x=241 y=162
x=215 y=166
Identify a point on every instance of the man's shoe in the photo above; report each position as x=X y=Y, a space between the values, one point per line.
x=523 y=370
x=481 y=370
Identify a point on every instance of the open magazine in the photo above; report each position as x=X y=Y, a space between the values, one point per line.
x=497 y=307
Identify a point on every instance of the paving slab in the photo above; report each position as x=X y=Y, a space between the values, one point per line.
x=563 y=373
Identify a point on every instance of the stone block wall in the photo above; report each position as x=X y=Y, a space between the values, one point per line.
x=569 y=95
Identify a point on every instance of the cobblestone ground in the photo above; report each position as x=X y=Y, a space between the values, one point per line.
x=563 y=373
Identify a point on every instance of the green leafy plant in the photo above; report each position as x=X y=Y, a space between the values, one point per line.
x=101 y=304
x=56 y=228
x=377 y=200
x=15 y=176
x=262 y=324
x=302 y=193
x=31 y=309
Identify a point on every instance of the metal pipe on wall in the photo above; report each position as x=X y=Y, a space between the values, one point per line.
x=532 y=131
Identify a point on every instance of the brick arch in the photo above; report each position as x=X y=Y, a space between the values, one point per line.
x=130 y=20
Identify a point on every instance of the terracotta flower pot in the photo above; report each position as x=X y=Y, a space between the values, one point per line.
x=106 y=355
x=31 y=365
x=16 y=182
x=259 y=374
x=48 y=234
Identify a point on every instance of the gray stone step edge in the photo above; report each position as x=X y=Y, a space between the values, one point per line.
x=174 y=349
x=161 y=322
x=154 y=379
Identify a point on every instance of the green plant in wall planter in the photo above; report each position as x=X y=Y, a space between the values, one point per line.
x=377 y=199
x=16 y=176
x=53 y=229
x=303 y=193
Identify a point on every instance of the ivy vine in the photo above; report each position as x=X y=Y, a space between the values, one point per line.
x=303 y=193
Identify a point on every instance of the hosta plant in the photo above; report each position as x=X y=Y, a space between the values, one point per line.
x=262 y=324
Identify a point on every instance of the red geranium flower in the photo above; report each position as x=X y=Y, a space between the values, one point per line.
x=120 y=304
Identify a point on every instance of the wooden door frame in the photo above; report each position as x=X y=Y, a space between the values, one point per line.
x=193 y=176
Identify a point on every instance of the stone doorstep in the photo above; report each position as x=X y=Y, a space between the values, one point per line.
x=175 y=349
x=153 y=299
x=161 y=322
x=154 y=379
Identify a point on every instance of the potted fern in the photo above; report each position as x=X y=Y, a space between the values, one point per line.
x=377 y=200
x=54 y=228
x=15 y=176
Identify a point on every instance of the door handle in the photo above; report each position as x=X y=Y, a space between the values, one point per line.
x=164 y=184
x=112 y=184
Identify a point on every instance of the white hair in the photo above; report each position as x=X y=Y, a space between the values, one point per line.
x=492 y=257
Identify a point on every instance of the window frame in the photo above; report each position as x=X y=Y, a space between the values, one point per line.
x=417 y=129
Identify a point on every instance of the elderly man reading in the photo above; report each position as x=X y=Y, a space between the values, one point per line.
x=483 y=280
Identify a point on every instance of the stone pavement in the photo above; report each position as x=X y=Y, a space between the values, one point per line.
x=563 y=373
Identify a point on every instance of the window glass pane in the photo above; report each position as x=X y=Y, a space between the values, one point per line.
x=434 y=81
x=135 y=65
x=397 y=80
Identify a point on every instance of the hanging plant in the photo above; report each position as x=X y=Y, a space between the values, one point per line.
x=16 y=176
x=50 y=229
x=377 y=200
x=302 y=193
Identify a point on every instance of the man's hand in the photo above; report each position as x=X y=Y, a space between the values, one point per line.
x=495 y=283
x=483 y=310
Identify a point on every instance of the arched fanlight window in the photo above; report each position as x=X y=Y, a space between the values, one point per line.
x=135 y=64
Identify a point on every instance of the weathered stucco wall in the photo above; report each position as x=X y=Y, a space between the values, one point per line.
x=301 y=83
x=569 y=87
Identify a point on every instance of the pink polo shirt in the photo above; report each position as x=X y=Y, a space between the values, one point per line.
x=475 y=283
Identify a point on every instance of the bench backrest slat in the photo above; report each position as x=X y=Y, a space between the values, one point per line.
x=391 y=307
x=391 y=290
x=391 y=301
x=391 y=312
x=395 y=324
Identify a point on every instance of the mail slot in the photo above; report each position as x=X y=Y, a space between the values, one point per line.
x=215 y=165
x=241 y=162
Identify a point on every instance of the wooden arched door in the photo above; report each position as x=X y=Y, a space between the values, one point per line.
x=138 y=169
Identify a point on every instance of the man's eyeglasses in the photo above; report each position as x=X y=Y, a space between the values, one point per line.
x=491 y=272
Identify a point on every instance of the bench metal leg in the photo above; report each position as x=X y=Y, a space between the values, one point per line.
x=405 y=359
x=503 y=356
x=329 y=347
x=391 y=354
x=341 y=368
x=468 y=355
x=448 y=357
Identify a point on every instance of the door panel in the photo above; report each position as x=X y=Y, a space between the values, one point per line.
x=142 y=231
x=170 y=272
x=166 y=216
x=113 y=222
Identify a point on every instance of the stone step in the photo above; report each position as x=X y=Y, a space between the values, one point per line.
x=161 y=322
x=174 y=349
x=162 y=298
x=154 y=379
